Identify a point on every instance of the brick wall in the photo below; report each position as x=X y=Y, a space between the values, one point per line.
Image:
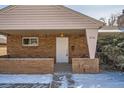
x=27 y=65
x=46 y=48
x=78 y=45
x=47 y=45
x=85 y=65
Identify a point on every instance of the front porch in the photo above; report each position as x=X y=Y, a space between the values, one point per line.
x=64 y=51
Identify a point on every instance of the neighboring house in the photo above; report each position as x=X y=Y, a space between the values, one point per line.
x=38 y=37
x=120 y=21
x=3 y=40
x=111 y=29
x=3 y=49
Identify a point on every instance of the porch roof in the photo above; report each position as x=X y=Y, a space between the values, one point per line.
x=22 y=17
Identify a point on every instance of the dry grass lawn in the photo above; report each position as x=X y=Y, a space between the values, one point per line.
x=3 y=50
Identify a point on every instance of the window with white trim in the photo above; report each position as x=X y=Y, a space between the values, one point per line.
x=30 y=41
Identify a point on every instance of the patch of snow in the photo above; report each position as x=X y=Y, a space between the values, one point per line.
x=106 y=79
x=64 y=83
x=95 y=86
x=80 y=86
x=23 y=78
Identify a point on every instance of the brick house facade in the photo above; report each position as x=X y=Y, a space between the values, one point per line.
x=48 y=24
x=47 y=45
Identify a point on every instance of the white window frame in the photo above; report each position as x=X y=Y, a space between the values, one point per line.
x=30 y=38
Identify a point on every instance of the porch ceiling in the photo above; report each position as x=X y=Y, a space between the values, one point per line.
x=5 y=32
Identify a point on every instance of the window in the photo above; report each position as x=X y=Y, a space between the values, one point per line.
x=30 y=41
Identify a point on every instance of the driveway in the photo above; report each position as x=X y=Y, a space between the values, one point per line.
x=63 y=80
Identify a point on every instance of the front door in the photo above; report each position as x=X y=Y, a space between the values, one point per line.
x=62 y=52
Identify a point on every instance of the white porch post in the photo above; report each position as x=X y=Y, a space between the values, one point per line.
x=91 y=35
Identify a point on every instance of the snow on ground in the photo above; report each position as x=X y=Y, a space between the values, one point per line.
x=104 y=80
x=63 y=80
x=23 y=78
x=66 y=80
x=64 y=83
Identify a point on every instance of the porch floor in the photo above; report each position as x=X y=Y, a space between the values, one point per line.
x=62 y=67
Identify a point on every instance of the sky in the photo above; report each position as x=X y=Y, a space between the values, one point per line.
x=98 y=11
x=95 y=11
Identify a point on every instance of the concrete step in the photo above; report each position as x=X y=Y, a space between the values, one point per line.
x=63 y=67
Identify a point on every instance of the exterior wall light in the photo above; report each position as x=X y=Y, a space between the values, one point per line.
x=62 y=34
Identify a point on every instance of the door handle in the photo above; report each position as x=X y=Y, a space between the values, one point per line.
x=66 y=54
